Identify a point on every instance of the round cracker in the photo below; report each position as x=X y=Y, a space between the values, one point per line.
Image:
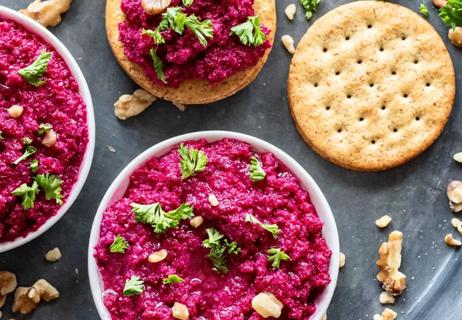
x=190 y=91
x=371 y=85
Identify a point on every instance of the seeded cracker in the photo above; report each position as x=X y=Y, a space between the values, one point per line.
x=371 y=85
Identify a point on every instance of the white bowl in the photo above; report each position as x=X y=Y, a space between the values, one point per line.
x=39 y=30
x=120 y=185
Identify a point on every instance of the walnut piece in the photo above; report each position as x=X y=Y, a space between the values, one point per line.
x=386 y=298
x=383 y=221
x=7 y=282
x=196 y=221
x=15 y=111
x=342 y=260
x=451 y=241
x=26 y=299
x=455 y=35
x=47 y=13
x=53 y=255
x=179 y=106
x=158 y=256
x=154 y=7
x=454 y=192
x=290 y=11
x=267 y=305
x=180 y=311
x=440 y=3
x=21 y=302
x=387 y=314
x=130 y=105
x=457 y=157
x=457 y=223
x=393 y=281
x=288 y=43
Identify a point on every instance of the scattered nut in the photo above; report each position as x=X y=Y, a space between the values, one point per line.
x=386 y=298
x=458 y=157
x=43 y=290
x=393 y=281
x=267 y=305
x=455 y=35
x=450 y=241
x=213 y=200
x=131 y=105
x=454 y=192
x=158 y=256
x=389 y=314
x=15 y=111
x=50 y=139
x=53 y=255
x=196 y=221
x=457 y=223
x=21 y=302
x=290 y=11
x=153 y=7
x=383 y=222
x=7 y=282
x=288 y=43
x=180 y=311
x=342 y=260
x=47 y=13
x=440 y=3
x=180 y=106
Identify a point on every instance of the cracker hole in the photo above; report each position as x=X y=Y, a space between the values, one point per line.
x=381 y=49
x=416 y=61
x=383 y=107
x=327 y=107
x=324 y=49
x=361 y=119
x=427 y=84
x=337 y=73
x=359 y=61
x=393 y=72
x=405 y=95
x=417 y=118
x=373 y=141
x=349 y=96
x=339 y=130
x=403 y=38
x=371 y=84
x=369 y=26
x=315 y=84
x=395 y=130
x=347 y=38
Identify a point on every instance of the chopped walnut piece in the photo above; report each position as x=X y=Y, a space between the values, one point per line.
x=130 y=105
x=267 y=305
x=180 y=311
x=451 y=241
x=393 y=281
x=21 y=302
x=50 y=139
x=154 y=7
x=42 y=290
x=290 y=11
x=342 y=260
x=47 y=13
x=53 y=255
x=288 y=43
x=389 y=314
x=383 y=221
x=196 y=221
x=15 y=111
x=213 y=200
x=454 y=192
x=7 y=282
x=440 y=3
x=457 y=157
x=180 y=106
x=455 y=35
x=386 y=298
x=158 y=256
x=457 y=223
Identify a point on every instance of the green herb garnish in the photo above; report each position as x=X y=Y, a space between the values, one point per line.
x=155 y=35
x=119 y=245
x=44 y=128
x=202 y=29
x=256 y=171
x=191 y=162
x=30 y=150
x=219 y=249
x=424 y=10
x=451 y=13
x=133 y=286
x=272 y=228
x=51 y=185
x=310 y=6
x=34 y=165
x=187 y=3
x=154 y=215
x=33 y=73
x=28 y=194
x=26 y=141
x=276 y=255
x=250 y=32
x=171 y=279
x=158 y=65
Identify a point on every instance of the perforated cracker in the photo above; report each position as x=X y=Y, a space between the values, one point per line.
x=371 y=85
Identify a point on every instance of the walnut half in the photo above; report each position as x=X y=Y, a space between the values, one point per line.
x=393 y=281
x=130 y=105
x=47 y=13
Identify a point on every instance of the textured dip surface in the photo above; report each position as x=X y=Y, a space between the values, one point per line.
x=56 y=102
x=278 y=199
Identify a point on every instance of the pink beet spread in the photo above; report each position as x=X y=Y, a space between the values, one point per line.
x=58 y=103
x=183 y=55
x=279 y=199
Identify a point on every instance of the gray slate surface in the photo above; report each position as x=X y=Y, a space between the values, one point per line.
x=414 y=194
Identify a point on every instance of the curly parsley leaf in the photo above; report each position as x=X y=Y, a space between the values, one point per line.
x=276 y=255
x=310 y=6
x=26 y=141
x=424 y=10
x=191 y=161
x=187 y=3
x=158 y=65
x=451 y=13
x=202 y=29
x=272 y=228
x=256 y=171
x=133 y=286
x=171 y=279
x=119 y=245
x=44 y=128
x=154 y=215
x=28 y=194
x=155 y=35
x=34 y=72
x=250 y=32
x=34 y=165
x=30 y=150
x=51 y=185
x=219 y=249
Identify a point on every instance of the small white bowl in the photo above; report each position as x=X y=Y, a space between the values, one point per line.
x=39 y=30
x=120 y=185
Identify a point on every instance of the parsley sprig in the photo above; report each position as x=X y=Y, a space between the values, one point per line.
x=133 y=286
x=250 y=32
x=51 y=185
x=219 y=249
x=154 y=215
x=171 y=279
x=451 y=13
x=34 y=165
x=276 y=255
x=191 y=161
x=310 y=6
x=28 y=194
x=158 y=65
x=34 y=72
x=256 y=171
x=30 y=150
x=272 y=228
x=187 y=3
x=44 y=128
x=424 y=10
x=119 y=245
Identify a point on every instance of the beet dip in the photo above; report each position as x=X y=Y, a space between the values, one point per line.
x=182 y=55
x=224 y=195
x=48 y=118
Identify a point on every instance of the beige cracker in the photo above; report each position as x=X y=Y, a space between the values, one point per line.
x=190 y=91
x=371 y=85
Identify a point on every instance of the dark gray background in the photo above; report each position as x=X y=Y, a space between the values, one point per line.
x=413 y=194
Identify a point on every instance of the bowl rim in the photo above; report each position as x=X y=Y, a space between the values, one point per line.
x=58 y=46
x=120 y=184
